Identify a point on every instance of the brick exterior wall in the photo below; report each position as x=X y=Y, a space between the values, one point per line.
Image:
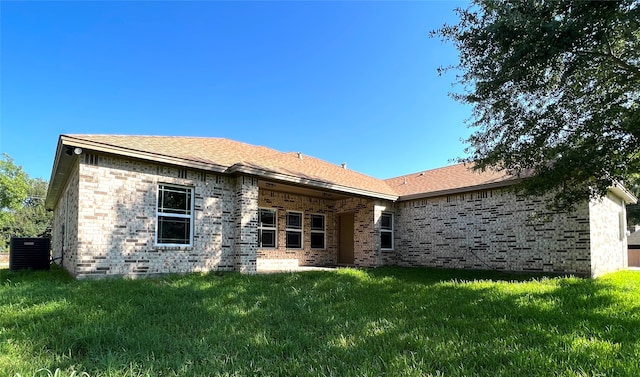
x=607 y=218
x=364 y=233
x=383 y=257
x=492 y=230
x=105 y=224
x=367 y=213
x=114 y=203
x=306 y=256
x=64 y=234
x=246 y=224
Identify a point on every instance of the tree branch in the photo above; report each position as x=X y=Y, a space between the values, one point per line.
x=633 y=70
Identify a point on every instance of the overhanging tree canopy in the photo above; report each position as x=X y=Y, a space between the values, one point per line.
x=555 y=90
x=22 y=211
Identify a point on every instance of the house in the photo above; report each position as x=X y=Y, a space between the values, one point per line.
x=633 y=241
x=141 y=205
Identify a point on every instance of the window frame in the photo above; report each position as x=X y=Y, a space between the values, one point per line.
x=389 y=230
x=294 y=230
x=273 y=228
x=190 y=191
x=316 y=231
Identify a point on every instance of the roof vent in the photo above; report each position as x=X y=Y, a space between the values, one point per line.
x=405 y=181
x=344 y=165
x=421 y=174
x=300 y=155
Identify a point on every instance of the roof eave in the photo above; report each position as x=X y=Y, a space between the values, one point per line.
x=62 y=163
x=623 y=193
x=58 y=177
x=134 y=153
x=265 y=173
x=459 y=190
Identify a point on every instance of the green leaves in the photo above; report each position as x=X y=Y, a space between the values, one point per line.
x=22 y=211
x=555 y=90
x=13 y=184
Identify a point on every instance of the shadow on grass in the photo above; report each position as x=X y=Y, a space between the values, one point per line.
x=387 y=321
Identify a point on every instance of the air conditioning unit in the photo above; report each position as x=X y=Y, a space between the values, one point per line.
x=29 y=254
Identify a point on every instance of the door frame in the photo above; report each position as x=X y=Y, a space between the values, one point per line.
x=346 y=229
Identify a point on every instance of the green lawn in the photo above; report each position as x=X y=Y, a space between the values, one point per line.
x=387 y=321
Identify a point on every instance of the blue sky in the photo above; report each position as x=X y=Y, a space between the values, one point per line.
x=351 y=81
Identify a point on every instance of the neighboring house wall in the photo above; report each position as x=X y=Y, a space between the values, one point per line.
x=117 y=220
x=64 y=232
x=492 y=230
x=633 y=248
x=306 y=256
x=608 y=235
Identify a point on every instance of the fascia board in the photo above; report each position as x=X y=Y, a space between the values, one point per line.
x=458 y=190
x=264 y=173
x=62 y=164
x=623 y=193
x=110 y=149
x=60 y=169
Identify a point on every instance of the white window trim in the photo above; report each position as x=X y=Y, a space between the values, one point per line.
x=190 y=216
x=301 y=230
x=393 y=224
x=274 y=227
x=323 y=231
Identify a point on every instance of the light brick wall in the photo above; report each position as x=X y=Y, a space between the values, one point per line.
x=367 y=252
x=364 y=233
x=246 y=224
x=108 y=213
x=64 y=231
x=306 y=256
x=383 y=257
x=492 y=230
x=117 y=219
x=608 y=235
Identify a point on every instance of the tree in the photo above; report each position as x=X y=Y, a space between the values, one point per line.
x=555 y=91
x=13 y=185
x=32 y=219
x=633 y=210
x=22 y=211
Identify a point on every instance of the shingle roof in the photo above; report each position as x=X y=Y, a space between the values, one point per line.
x=634 y=238
x=236 y=155
x=229 y=156
x=449 y=179
x=217 y=151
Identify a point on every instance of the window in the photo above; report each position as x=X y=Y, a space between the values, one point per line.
x=386 y=231
x=294 y=230
x=174 y=215
x=317 y=231
x=267 y=227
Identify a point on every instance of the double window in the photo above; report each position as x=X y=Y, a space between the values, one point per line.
x=294 y=230
x=174 y=215
x=317 y=231
x=386 y=231
x=267 y=227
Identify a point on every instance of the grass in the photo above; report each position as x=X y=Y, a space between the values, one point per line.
x=387 y=321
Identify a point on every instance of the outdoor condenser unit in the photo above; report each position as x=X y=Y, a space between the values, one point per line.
x=29 y=253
